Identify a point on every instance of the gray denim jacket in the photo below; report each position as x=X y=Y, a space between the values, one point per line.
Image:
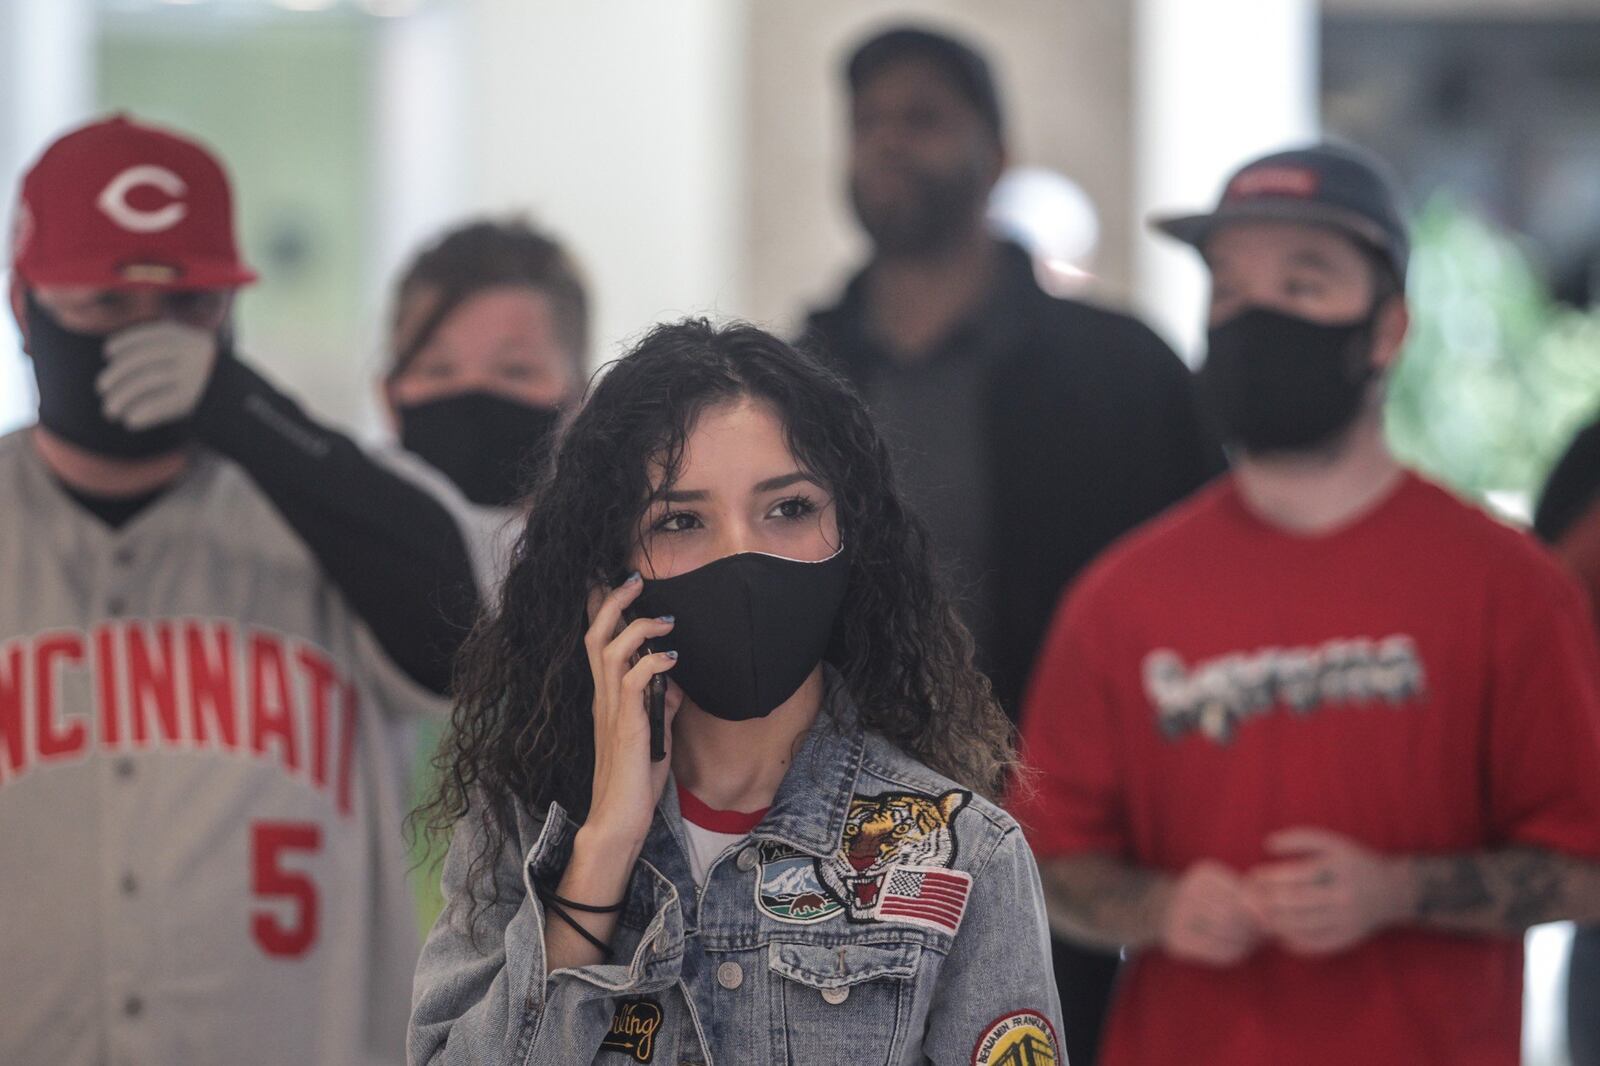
x=878 y=914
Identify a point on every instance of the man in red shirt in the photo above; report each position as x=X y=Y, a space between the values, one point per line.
x=1317 y=745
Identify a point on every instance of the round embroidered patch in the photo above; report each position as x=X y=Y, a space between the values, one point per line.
x=1021 y=1038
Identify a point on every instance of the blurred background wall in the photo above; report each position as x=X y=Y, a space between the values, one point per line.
x=691 y=153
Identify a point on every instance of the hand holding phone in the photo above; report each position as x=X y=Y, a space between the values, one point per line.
x=626 y=671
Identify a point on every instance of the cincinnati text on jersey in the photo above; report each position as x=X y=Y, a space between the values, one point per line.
x=188 y=684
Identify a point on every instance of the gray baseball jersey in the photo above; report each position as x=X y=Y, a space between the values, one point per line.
x=202 y=758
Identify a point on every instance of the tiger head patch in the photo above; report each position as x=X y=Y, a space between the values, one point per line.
x=885 y=831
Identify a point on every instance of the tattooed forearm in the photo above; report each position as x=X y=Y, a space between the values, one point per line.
x=1451 y=886
x=1102 y=902
x=1504 y=891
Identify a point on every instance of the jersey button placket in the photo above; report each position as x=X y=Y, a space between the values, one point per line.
x=123 y=557
x=124 y=897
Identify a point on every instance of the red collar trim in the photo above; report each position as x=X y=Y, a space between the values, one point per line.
x=733 y=823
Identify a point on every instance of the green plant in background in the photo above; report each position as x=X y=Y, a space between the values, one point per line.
x=1496 y=377
x=427 y=852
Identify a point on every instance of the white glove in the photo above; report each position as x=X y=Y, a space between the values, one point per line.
x=155 y=373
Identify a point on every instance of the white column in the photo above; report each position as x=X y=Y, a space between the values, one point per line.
x=419 y=105
x=46 y=84
x=1215 y=83
x=618 y=124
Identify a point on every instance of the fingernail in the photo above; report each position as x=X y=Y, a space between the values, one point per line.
x=633 y=578
x=670 y=654
x=666 y=618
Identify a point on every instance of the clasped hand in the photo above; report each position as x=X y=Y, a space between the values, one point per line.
x=1320 y=894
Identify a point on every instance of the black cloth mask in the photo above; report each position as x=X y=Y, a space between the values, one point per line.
x=749 y=628
x=1274 y=382
x=66 y=365
x=486 y=443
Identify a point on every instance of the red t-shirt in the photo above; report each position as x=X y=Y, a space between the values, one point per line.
x=1423 y=680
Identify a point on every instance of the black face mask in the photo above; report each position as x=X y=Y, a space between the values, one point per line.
x=749 y=628
x=1278 y=383
x=66 y=365
x=486 y=443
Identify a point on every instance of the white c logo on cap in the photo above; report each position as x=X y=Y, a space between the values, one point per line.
x=114 y=199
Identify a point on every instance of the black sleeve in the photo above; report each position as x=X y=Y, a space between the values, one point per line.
x=393 y=550
x=1572 y=486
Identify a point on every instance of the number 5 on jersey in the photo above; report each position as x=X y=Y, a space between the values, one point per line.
x=271 y=843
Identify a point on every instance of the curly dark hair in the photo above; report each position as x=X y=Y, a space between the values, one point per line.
x=522 y=731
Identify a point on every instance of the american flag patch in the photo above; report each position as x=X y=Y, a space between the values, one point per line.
x=930 y=896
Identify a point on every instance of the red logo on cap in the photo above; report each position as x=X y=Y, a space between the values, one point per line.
x=1300 y=182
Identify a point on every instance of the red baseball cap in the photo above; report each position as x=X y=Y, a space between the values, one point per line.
x=116 y=204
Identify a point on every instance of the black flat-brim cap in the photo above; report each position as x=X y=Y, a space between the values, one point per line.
x=1337 y=186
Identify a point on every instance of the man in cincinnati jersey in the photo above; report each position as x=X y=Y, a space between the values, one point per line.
x=216 y=620
x=1319 y=744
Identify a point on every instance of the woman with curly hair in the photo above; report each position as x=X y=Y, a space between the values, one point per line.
x=809 y=870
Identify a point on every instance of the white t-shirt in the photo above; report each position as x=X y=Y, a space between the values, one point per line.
x=490 y=532
x=711 y=832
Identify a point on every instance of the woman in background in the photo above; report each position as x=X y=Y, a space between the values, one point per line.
x=488 y=341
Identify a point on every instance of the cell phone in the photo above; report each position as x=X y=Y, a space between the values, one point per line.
x=655 y=704
x=655 y=699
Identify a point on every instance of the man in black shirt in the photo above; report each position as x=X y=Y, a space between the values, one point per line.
x=1028 y=431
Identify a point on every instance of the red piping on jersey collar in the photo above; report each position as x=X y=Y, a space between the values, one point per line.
x=734 y=823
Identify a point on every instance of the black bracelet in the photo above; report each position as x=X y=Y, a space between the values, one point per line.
x=584 y=907
x=599 y=945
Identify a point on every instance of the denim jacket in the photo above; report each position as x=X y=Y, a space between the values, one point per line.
x=878 y=914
